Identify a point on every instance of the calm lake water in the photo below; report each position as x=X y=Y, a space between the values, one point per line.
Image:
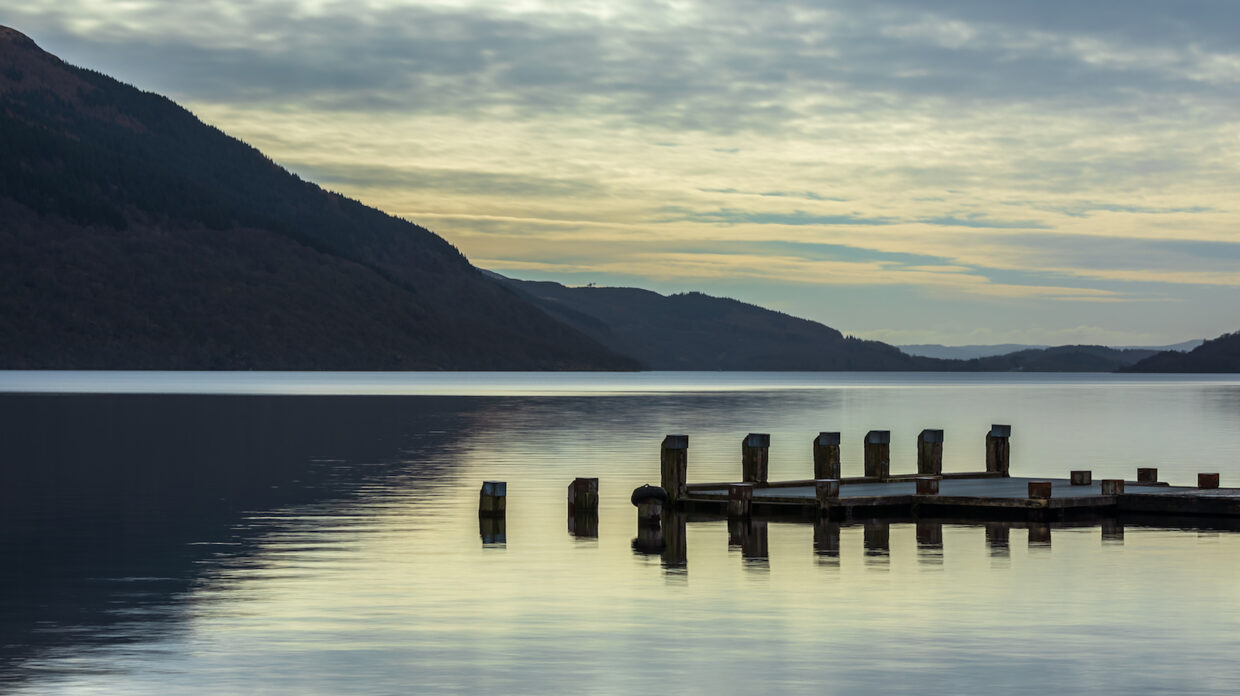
x=317 y=534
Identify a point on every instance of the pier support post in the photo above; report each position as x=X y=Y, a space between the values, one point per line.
x=1080 y=477
x=1207 y=480
x=927 y=485
x=930 y=452
x=755 y=452
x=740 y=499
x=674 y=466
x=493 y=499
x=827 y=456
x=1040 y=490
x=1112 y=486
x=878 y=454
x=1147 y=475
x=583 y=496
x=998 y=449
x=827 y=493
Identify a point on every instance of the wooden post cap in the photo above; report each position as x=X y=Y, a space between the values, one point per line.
x=930 y=435
x=1081 y=477
x=1000 y=430
x=1112 y=486
x=1040 y=489
x=676 y=442
x=1207 y=480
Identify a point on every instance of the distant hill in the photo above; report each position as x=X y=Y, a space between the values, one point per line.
x=934 y=350
x=1059 y=359
x=1218 y=355
x=693 y=331
x=134 y=236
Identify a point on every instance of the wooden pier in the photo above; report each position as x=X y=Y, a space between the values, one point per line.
x=931 y=493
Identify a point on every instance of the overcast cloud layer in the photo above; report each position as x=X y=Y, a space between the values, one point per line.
x=936 y=171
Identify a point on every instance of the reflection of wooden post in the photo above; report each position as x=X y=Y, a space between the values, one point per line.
x=674 y=465
x=827 y=456
x=997 y=535
x=583 y=496
x=1112 y=486
x=754 y=540
x=827 y=493
x=493 y=499
x=1113 y=530
x=1039 y=534
x=930 y=452
x=998 y=449
x=878 y=454
x=740 y=499
x=930 y=535
x=1207 y=480
x=1080 y=477
x=877 y=537
x=827 y=538
x=755 y=449
x=676 y=550
x=583 y=525
x=493 y=530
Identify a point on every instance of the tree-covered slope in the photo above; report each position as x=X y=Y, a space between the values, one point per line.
x=1218 y=355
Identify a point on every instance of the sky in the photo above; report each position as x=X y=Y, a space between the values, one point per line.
x=933 y=171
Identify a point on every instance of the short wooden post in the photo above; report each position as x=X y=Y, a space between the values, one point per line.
x=649 y=501
x=755 y=450
x=1112 y=486
x=1040 y=490
x=827 y=456
x=930 y=452
x=493 y=530
x=1147 y=475
x=1080 y=477
x=998 y=449
x=878 y=454
x=493 y=499
x=583 y=496
x=1207 y=480
x=740 y=499
x=827 y=493
x=927 y=485
x=674 y=466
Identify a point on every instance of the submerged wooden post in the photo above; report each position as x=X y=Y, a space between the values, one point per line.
x=827 y=456
x=755 y=453
x=930 y=452
x=998 y=449
x=493 y=499
x=927 y=485
x=1040 y=489
x=1147 y=475
x=827 y=493
x=1080 y=477
x=674 y=466
x=583 y=496
x=1207 y=480
x=740 y=499
x=493 y=530
x=1112 y=486
x=878 y=454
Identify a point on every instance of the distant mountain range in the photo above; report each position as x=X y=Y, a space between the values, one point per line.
x=133 y=236
x=969 y=352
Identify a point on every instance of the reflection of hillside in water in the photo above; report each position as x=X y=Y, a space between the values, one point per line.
x=114 y=508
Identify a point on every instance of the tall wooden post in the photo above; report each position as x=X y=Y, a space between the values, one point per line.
x=674 y=466
x=930 y=452
x=755 y=449
x=827 y=456
x=878 y=454
x=998 y=449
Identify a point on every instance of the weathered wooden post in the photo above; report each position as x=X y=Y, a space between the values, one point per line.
x=1112 y=486
x=755 y=456
x=583 y=496
x=649 y=502
x=930 y=452
x=998 y=449
x=1147 y=474
x=878 y=454
x=1040 y=490
x=674 y=466
x=827 y=494
x=827 y=456
x=1080 y=477
x=493 y=530
x=493 y=499
x=927 y=485
x=1207 y=480
x=740 y=499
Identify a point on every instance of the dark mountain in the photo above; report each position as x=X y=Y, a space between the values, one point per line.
x=1058 y=359
x=134 y=236
x=693 y=331
x=1219 y=355
x=935 y=350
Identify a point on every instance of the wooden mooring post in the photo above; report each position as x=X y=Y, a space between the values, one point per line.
x=1112 y=486
x=930 y=452
x=1147 y=474
x=755 y=458
x=1081 y=477
x=674 y=466
x=583 y=496
x=827 y=493
x=998 y=450
x=1207 y=480
x=740 y=499
x=493 y=499
x=827 y=456
x=878 y=454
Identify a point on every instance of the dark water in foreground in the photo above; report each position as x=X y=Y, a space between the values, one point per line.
x=300 y=539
